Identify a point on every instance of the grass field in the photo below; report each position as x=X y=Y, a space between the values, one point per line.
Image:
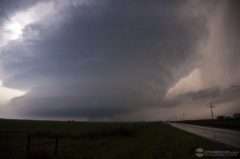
x=89 y=140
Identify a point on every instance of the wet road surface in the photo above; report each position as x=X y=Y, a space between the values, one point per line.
x=229 y=137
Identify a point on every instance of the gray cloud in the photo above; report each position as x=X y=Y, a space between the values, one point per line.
x=106 y=59
x=9 y=7
x=214 y=94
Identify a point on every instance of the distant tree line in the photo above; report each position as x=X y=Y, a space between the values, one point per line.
x=235 y=116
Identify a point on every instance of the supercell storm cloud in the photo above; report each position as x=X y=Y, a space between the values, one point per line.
x=119 y=60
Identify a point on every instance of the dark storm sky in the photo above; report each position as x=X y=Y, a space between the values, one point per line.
x=119 y=60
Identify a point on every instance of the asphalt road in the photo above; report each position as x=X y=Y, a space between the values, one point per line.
x=229 y=137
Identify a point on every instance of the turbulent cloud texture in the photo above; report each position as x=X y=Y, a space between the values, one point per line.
x=112 y=59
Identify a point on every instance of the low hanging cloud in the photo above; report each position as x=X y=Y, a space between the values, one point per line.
x=102 y=59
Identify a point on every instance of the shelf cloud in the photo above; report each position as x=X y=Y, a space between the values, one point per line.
x=115 y=60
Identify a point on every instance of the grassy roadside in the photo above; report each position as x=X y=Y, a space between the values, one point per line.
x=147 y=140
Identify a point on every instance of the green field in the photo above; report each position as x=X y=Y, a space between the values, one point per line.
x=96 y=140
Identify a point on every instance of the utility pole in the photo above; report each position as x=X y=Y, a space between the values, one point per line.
x=183 y=114
x=211 y=107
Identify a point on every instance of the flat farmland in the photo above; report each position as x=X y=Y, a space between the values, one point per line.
x=92 y=140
